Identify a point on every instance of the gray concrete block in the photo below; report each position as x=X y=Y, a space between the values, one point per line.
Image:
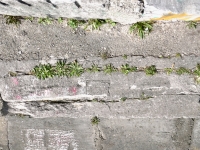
x=145 y=134
x=50 y=133
x=168 y=106
x=195 y=144
x=3 y=134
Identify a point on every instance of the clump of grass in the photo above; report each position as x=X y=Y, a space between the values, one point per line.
x=197 y=74
x=60 y=20
x=178 y=55
x=30 y=19
x=16 y=20
x=60 y=69
x=95 y=120
x=94 y=68
x=73 y=23
x=95 y=23
x=191 y=24
x=125 y=69
x=109 y=21
x=109 y=69
x=150 y=70
x=123 y=99
x=142 y=28
x=125 y=56
x=75 y=69
x=144 y=97
x=45 y=21
x=43 y=71
x=182 y=70
x=169 y=70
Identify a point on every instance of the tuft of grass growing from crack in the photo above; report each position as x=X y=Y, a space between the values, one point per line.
x=16 y=20
x=45 y=21
x=142 y=28
x=143 y=96
x=60 y=69
x=150 y=70
x=73 y=23
x=169 y=70
x=125 y=56
x=94 y=68
x=75 y=69
x=191 y=24
x=109 y=21
x=109 y=69
x=95 y=120
x=60 y=20
x=43 y=71
x=123 y=99
x=30 y=19
x=125 y=69
x=95 y=23
x=182 y=70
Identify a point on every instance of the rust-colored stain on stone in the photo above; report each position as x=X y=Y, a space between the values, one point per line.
x=182 y=16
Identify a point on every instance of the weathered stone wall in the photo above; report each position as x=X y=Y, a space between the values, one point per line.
x=123 y=11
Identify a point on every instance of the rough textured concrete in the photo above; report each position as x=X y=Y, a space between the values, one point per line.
x=170 y=106
x=146 y=134
x=137 y=134
x=52 y=133
x=96 y=86
x=123 y=11
x=3 y=134
x=32 y=41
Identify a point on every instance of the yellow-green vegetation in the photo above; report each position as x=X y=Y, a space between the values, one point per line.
x=125 y=69
x=109 y=69
x=150 y=70
x=182 y=70
x=192 y=24
x=94 y=68
x=45 y=21
x=74 y=23
x=95 y=120
x=16 y=20
x=142 y=28
x=169 y=70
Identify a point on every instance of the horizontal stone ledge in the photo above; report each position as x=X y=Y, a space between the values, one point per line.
x=174 y=106
x=189 y=62
x=99 y=86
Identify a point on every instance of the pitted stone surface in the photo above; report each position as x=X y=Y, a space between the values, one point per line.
x=169 y=106
x=3 y=134
x=52 y=133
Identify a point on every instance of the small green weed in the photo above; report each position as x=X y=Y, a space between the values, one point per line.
x=144 y=97
x=150 y=70
x=191 y=24
x=142 y=28
x=123 y=99
x=43 y=71
x=73 y=23
x=109 y=21
x=60 y=20
x=94 y=68
x=109 y=69
x=75 y=69
x=95 y=23
x=30 y=19
x=197 y=71
x=178 y=55
x=182 y=70
x=169 y=70
x=125 y=69
x=125 y=56
x=95 y=120
x=45 y=21
x=60 y=69
x=16 y=20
